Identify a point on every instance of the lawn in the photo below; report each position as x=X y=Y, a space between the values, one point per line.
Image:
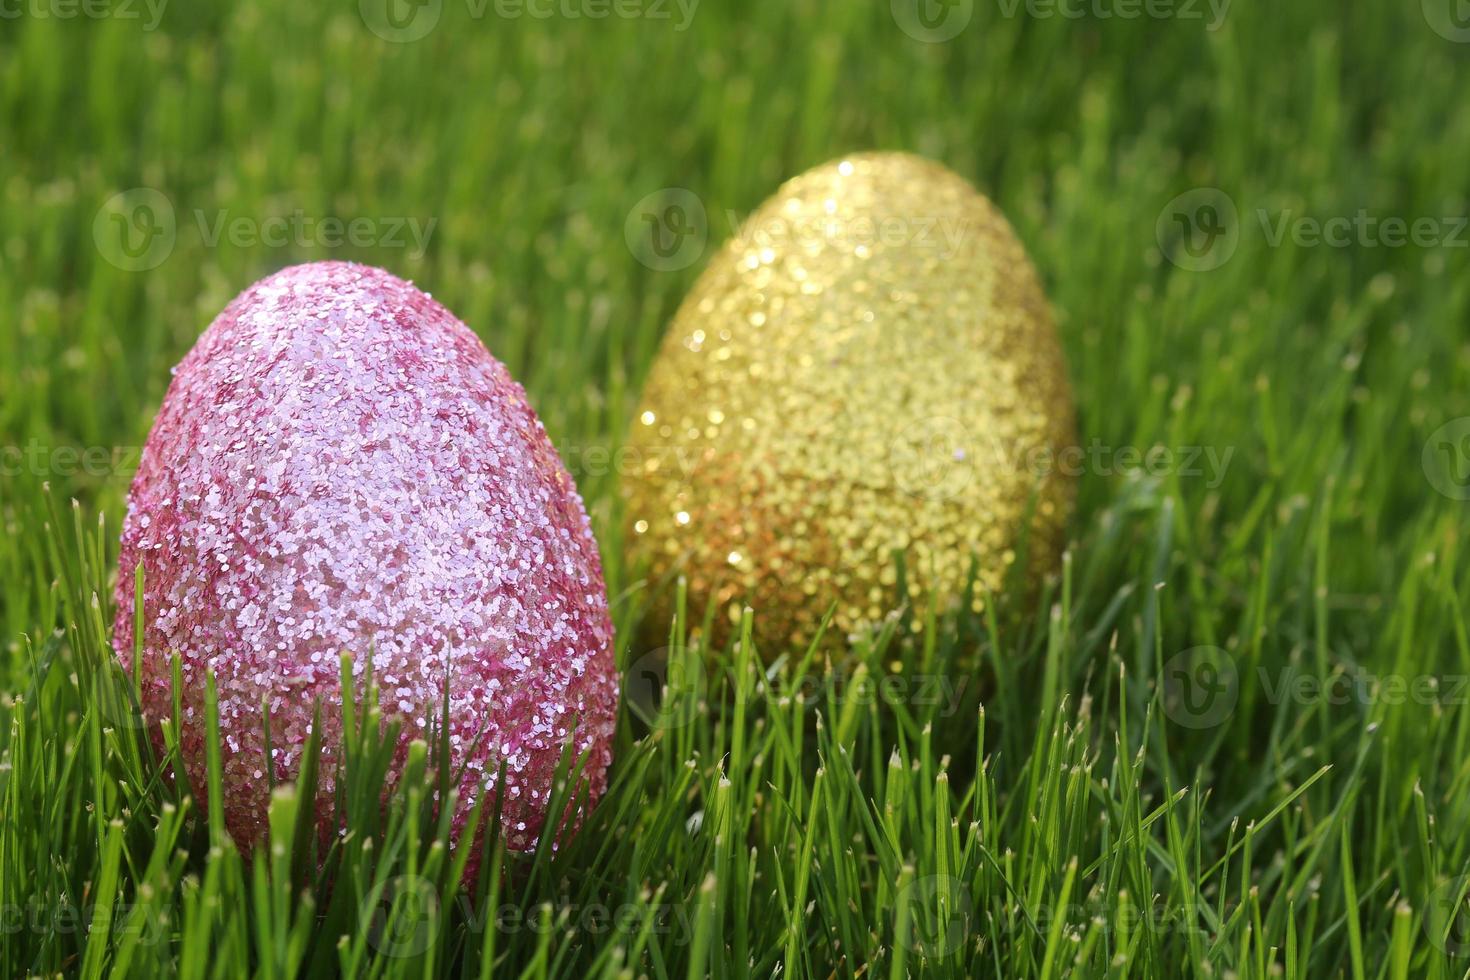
x=1230 y=738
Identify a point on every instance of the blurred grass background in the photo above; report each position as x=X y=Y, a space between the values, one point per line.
x=528 y=142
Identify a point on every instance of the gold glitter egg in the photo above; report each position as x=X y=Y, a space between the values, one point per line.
x=869 y=367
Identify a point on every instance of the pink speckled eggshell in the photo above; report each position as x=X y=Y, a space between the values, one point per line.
x=340 y=465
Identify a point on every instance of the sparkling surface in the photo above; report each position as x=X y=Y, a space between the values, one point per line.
x=340 y=465
x=868 y=366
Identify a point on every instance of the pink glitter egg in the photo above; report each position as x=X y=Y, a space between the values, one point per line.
x=339 y=465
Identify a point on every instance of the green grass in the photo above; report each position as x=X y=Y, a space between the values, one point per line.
x=1061 y=809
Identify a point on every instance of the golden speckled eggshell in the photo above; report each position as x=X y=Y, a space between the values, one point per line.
x=868 y=366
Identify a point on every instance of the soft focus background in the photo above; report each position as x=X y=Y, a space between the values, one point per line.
x=1232 y=740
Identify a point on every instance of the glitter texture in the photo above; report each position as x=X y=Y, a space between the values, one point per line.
x=869 y=366
x=340 y=465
